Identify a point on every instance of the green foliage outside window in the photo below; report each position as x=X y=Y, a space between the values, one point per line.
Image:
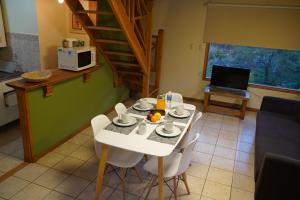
x=271 y=67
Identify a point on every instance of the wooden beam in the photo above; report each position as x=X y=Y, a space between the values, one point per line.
x=85 y=20
x=158 y=57
x=126 y=25
x=121 y=42
x=125 y=63
x=119 y=53
x=25 y=125
x=103 y=28
x=94 y=12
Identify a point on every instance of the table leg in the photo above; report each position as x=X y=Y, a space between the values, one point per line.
x=101 y=170
x=243 y=109
x=161 y=177
x=206 y=102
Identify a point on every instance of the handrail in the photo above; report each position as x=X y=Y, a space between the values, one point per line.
x=140 y=17
x=125 y=12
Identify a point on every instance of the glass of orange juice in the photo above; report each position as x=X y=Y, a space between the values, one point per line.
x=161 y=103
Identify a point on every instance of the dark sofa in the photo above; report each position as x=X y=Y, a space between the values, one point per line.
x=277 y=150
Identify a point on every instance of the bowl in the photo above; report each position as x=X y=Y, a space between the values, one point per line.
x=37 y=76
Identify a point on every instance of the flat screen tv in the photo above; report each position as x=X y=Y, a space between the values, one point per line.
x=230 y=77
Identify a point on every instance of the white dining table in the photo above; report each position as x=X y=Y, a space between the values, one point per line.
x=141 y=144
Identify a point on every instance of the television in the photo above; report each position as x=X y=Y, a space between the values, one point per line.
x=230 y=77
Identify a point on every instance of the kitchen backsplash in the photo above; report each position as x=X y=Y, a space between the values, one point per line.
x=22 y=49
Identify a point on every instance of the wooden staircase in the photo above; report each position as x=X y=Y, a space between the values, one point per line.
x=121 y=31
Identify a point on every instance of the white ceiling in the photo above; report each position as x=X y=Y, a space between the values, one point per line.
x=259 y=2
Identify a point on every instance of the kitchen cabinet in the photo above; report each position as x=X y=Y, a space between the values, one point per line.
x=2 y=31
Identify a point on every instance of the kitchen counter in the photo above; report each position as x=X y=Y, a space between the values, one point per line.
x=58 y=76
x=54 y=110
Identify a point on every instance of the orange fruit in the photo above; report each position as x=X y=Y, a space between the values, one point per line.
x=154 y=118
x=158 y=115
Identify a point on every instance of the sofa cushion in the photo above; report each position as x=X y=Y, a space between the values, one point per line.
x=276 y=133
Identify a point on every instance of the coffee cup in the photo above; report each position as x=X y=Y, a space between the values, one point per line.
x=142 y=128
x=179 y=110
x=168 y=126
x=143 y=103
x=124 y=118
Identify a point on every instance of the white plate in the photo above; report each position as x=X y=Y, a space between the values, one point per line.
x=160 y=131
x=131 y=121
x=184 y=115
x=137 y=107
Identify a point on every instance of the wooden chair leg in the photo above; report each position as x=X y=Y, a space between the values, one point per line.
x=153 y=179
x=186 y=183
x=138 y=174
x=175 y=188
x=123 y=174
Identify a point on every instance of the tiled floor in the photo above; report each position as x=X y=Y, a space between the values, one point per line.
x=11 y=147
x=222 y=168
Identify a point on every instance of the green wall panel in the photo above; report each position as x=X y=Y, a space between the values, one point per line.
x=72 y=105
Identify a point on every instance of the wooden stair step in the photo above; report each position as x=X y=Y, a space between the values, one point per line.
x=104 y=28
x=122 y=42
x=114 y=62
x=125 y=72
x=134 y=82
x=98 y=12
x=119 y=53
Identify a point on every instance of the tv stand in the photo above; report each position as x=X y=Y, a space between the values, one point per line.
x=234 y=109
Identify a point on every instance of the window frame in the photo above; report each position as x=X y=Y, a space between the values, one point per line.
x=251 y=85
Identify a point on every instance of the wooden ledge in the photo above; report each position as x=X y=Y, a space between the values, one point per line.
x=58 y=76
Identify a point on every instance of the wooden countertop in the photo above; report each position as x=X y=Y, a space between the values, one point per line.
x=58 y=76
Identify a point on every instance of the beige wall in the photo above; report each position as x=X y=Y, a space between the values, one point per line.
x=53 y=27
x=20 y=16
x=183 y=49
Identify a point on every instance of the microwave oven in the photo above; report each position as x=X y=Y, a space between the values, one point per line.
x=76 y=59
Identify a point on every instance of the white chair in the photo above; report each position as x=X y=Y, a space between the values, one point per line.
x=117 y=157
x=190 y=135
x=120 y=108
x=176 y=97
x=175 y=166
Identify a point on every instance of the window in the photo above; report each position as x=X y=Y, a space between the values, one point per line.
x=271 y=67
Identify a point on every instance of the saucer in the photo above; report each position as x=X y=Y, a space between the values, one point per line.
x=160 y=130
x=184 y=115
x=137 y=106
x=131 y=121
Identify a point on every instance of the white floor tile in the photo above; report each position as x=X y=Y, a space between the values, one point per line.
x=67 y=148
x=68 y=165
x=225 y=152
x=51 y=178
x=237 y=194
x=72 y=186
x=222 y=163
x=9 y=163
x=204 y=148
x=216 y=191
x=202 y=158
x=50 y=159
x=11 y=186
x=88 y=170
x=83 y=153
x=31 y=172
x=220 y=176
x=53 y=195
x=89 y=192
x=31 y=192
x=243 y=182
x=198 y=170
